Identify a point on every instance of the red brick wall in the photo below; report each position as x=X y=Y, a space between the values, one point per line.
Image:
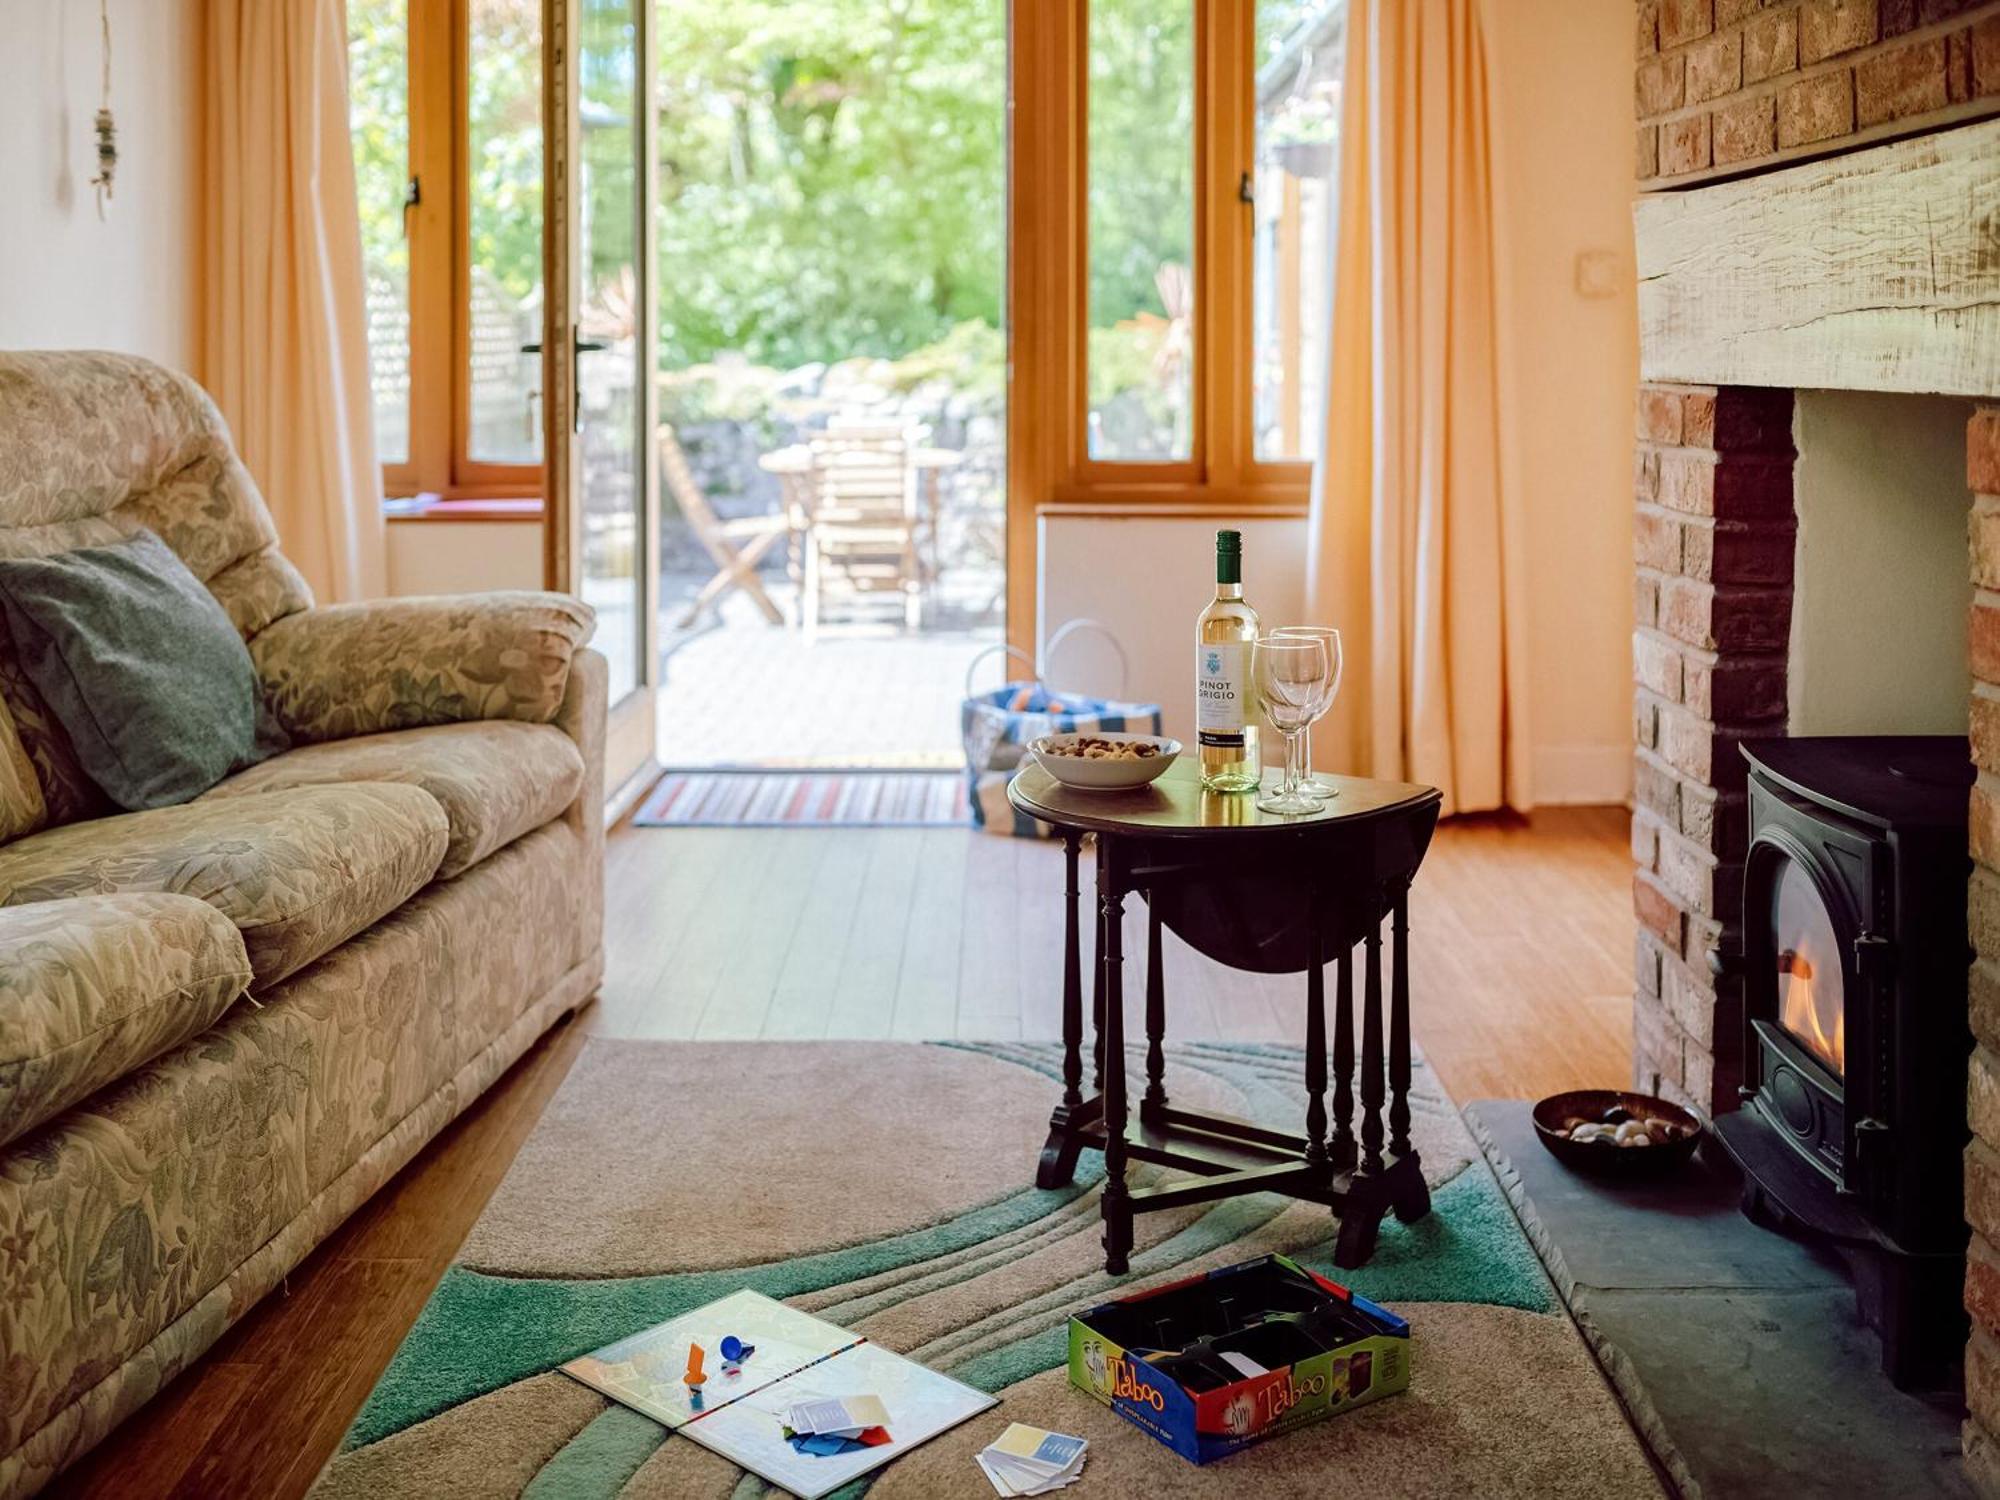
x=1982 y=1156
x=1727 y=86
x=1713 y=539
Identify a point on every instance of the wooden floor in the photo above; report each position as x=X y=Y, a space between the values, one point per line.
x=1521 y=974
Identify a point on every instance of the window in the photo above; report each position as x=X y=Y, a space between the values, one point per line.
x=1299 y=63
x=1172 y=232
x=378 y=86
x=1139 y=121
x=445 y=100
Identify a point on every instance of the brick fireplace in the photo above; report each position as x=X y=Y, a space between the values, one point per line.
x=1713 y=540
x=1820 y=211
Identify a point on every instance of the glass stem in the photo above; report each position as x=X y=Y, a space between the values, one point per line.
x=1292 y=762
x=1306 y=757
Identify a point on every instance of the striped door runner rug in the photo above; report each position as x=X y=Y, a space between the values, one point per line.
x=808 y=799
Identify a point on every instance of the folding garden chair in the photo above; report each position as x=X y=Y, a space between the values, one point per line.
x=736 y=546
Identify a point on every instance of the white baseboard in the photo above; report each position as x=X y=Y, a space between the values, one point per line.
x=1582 y=774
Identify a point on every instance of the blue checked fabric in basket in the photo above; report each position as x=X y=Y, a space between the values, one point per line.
x=998 y=726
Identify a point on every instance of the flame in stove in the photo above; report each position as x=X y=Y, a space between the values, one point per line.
x=1801 y=1014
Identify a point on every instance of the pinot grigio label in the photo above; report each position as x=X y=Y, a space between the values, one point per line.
x=1221 y=691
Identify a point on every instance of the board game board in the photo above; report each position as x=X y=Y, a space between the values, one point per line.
x=739 y=1413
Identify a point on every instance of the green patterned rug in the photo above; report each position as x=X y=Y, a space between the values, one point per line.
x=881 y=1186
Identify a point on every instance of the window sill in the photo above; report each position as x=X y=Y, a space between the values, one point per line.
x=1191 y=509
x=437 y=508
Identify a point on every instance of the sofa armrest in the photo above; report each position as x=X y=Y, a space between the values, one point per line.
x=350 y=669
x=582 y=718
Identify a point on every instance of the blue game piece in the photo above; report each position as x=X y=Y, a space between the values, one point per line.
x=734 y=1350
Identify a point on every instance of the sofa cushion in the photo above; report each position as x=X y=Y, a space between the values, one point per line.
x=299 y=871
x=495 y=779
x=92 y=988
x=352 y=669
x=140 y=664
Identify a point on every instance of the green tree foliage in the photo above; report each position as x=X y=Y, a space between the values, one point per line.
x=831 y=175
x=832 y=172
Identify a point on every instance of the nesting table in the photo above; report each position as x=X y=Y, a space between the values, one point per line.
x=1267 y=894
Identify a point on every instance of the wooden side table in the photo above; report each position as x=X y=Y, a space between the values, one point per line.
x=1262 y=893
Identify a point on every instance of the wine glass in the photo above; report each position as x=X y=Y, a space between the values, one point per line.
x=1290 y=675
x=1311 y=785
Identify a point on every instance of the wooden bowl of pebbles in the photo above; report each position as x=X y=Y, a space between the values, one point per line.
x=1616 y=1132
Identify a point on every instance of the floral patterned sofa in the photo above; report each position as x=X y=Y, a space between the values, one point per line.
x=224 y=1024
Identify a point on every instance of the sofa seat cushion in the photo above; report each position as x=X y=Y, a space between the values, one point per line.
x=92 y=988
x=495 y=779
x=299 y=871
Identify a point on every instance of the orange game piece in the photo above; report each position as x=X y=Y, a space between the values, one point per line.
x=694 y=1374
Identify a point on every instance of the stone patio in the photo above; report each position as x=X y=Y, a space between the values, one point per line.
x=739 y=691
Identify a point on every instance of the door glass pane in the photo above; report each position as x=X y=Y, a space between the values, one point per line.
x=1141 y=229
x=1299 y=62
x=378 y=62
x=504 y=153
x=609 y=372
x=1811 y=1001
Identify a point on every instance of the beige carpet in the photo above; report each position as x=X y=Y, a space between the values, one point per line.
x=886 y=1187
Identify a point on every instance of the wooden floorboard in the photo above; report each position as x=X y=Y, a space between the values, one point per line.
x=1521 y=985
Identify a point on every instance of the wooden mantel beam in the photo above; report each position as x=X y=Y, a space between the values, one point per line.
x=1877 y=270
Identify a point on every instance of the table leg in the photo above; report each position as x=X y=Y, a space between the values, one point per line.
x=1097 y=1000
x=1399 y=1029
x=1371 y=1054
x=1117 y=1198
x=1059 y=1152
x=1072 y=999
x=1155 y=1100
x=1409 y=1194
x=1342 y=1151
x=1370 y=1191
x=1316 y=1152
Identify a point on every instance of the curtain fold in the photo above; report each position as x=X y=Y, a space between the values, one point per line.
x=1413 y=549
x=283 y=324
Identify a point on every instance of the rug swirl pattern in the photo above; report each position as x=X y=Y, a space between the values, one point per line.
x=884 y=1186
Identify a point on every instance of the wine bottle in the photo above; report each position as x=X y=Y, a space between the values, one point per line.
x=1222 y=701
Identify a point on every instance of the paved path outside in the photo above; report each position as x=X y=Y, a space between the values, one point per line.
x=743 y=692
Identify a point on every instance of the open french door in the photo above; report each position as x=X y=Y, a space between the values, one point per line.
x=598 y=356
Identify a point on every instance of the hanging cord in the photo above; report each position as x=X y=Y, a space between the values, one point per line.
x=107 y=129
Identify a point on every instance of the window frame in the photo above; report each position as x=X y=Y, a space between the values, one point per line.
x=439 y=229
x=1050 y=280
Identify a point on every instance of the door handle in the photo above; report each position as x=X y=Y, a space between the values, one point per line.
x=579 y=346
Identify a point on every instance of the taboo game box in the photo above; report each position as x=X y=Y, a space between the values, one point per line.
x=1220 y=1361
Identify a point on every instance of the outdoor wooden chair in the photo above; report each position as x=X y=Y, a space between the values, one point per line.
x=736 y=546
x=861 y=540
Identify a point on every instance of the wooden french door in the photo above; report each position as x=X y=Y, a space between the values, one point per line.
x=598 y=359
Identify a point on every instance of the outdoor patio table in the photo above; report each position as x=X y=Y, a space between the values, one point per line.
x=1267 y=894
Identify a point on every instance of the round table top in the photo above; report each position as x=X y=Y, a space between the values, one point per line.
x=1175 y=805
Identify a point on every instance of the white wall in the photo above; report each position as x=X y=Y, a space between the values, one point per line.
x=1562 y=78
x=464 y=557
x=1881 y=591
x=68 y=280
x=1562 y=84
x=1147 y=577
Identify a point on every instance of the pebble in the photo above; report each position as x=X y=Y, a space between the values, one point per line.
x=1627 y=1131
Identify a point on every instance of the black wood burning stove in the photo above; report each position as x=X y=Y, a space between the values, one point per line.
x=1855 y=1041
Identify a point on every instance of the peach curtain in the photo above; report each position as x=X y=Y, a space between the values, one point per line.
x=283 y=323
x=1415 y=547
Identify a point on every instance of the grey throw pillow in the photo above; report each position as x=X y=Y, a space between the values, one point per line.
x=140 y=665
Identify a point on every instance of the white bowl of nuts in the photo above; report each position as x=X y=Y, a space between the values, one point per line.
x=1104 y=762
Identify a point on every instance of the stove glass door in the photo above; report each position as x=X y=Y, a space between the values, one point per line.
x=1812 y=1003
